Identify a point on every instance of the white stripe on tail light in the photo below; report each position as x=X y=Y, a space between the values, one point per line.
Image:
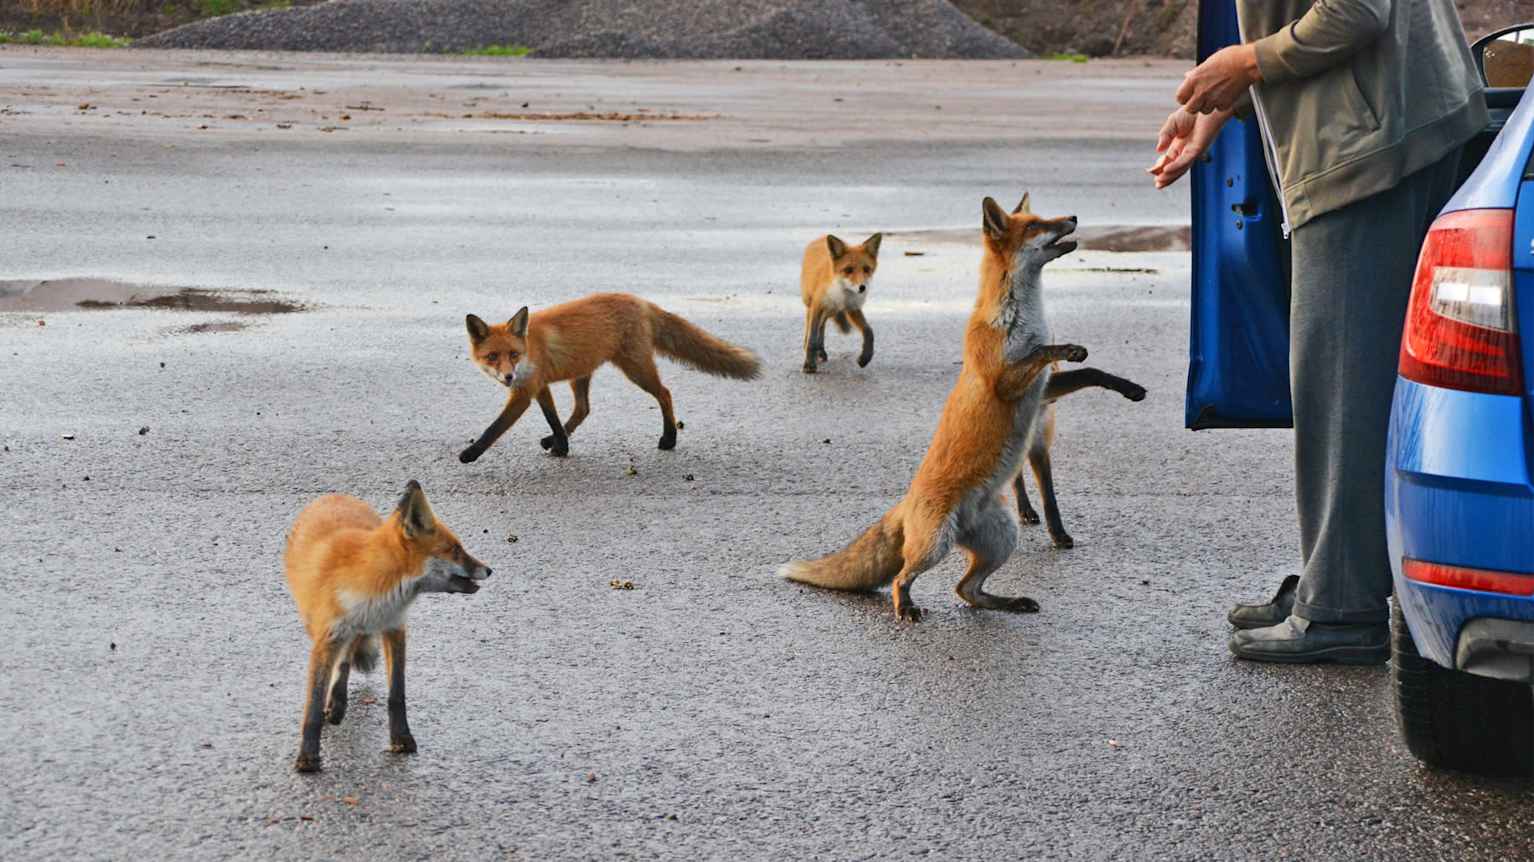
x=1460 y=329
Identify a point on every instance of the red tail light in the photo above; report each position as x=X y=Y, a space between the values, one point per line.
x=1460 y=328
x=1510 y=583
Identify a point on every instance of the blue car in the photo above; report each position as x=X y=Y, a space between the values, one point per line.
x=1459 y=485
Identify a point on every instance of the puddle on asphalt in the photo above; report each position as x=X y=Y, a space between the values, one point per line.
x=94 y=294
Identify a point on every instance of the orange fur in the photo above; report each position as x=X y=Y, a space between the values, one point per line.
x=569 y=342
x=981 y=435
x=834 y=280
x=353 y=576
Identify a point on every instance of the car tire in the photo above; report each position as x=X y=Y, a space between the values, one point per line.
x=1456 y=720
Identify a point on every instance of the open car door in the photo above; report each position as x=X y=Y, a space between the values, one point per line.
x=1238 y=364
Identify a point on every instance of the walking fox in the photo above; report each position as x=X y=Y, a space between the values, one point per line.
x=983 y=433
x=353 y=576
x=834 y=282
x=530 y=352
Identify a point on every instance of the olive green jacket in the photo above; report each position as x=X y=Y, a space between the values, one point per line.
x=1357 y=94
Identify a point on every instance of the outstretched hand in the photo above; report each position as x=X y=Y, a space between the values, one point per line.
x=1184 y=137
x=1216 y=83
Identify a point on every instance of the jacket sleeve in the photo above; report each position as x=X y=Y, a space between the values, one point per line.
x=1330 y=33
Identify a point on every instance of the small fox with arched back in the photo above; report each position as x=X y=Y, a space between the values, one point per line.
x=982 y=436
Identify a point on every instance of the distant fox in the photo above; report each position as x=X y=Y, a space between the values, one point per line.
x=1061 y=383
x=529 y=353
x=353 y=576
x=834 y=282
x=985 y=428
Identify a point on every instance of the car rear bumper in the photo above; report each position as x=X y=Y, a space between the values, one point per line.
x=1458 y=492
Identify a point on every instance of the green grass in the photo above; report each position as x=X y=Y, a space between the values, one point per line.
x=499 y=51
x=1073 y=58
x=70 y=40
x=215 y=8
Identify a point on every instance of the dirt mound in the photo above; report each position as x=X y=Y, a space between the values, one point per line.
x=1165 y=28
x=702 y=29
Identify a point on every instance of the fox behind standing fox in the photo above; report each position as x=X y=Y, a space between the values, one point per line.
x=530 y=352
x=834 y=282
x=988 y=422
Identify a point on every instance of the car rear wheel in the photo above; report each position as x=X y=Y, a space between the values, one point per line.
x=1456 y=720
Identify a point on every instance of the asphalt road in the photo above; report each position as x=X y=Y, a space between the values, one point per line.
x=151 y=676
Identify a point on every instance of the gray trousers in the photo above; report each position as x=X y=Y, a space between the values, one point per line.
x=1352 y=274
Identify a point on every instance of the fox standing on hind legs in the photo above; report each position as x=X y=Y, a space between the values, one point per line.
x=353 y=576
x=529 y=353
x=834 y=282
x=982 y=435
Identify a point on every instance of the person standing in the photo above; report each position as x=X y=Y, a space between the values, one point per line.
x=1364 y=106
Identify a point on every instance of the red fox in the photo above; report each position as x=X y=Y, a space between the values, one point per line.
x=1061 y=383
x=981 y=436
x=834 y=282
x=528 y=353
x=353 y=575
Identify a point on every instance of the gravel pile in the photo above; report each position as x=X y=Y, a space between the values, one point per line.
x=682 y=29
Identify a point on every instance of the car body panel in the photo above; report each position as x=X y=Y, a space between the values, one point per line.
x=1459 y=488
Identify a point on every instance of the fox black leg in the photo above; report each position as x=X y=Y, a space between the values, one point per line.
x=321 y=657
x=861 y=322
x=335 y=707
x=1025 y=512
x=516 y=405
x=400 y=740
x=1063 y=383
x=557 y=443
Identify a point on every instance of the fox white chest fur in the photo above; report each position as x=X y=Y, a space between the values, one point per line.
x=844 y=296
x=371 y=613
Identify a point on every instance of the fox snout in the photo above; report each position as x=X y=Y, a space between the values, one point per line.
x=862 y=288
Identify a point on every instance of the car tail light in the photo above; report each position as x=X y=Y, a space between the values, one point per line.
x=1460 y=329
x=1486 y=581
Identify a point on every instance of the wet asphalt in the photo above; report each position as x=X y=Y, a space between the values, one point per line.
x=151 y=676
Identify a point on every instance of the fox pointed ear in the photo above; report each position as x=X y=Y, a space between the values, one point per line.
x=518 y=323
x=871 y=245
x=993 y=219
x=835 y=246
x=415 y=515
x=478 y=329
x=1022 y=206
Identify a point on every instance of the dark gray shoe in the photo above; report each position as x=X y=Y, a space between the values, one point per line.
x=1299 y=641
x=1271 y=613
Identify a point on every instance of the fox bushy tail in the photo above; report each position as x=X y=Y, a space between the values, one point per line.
x=871 y=561
x=693 y=347
x=365 y=654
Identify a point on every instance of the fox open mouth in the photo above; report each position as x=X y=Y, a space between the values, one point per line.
x=460 y=584
x=1059 y=244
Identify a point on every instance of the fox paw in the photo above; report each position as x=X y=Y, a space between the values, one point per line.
x=1063 y=541
x=909 y=613
x=822 y=356
x=809 y=368
x=1028 y=516
x=307 y=762
x=470 y=455
x=1134 y=392
x=864 y=359
x=556 y=447
x=668 y=440
x=404 y=744
x=1019 y=604
x=335 y=712
x=1073 y=353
